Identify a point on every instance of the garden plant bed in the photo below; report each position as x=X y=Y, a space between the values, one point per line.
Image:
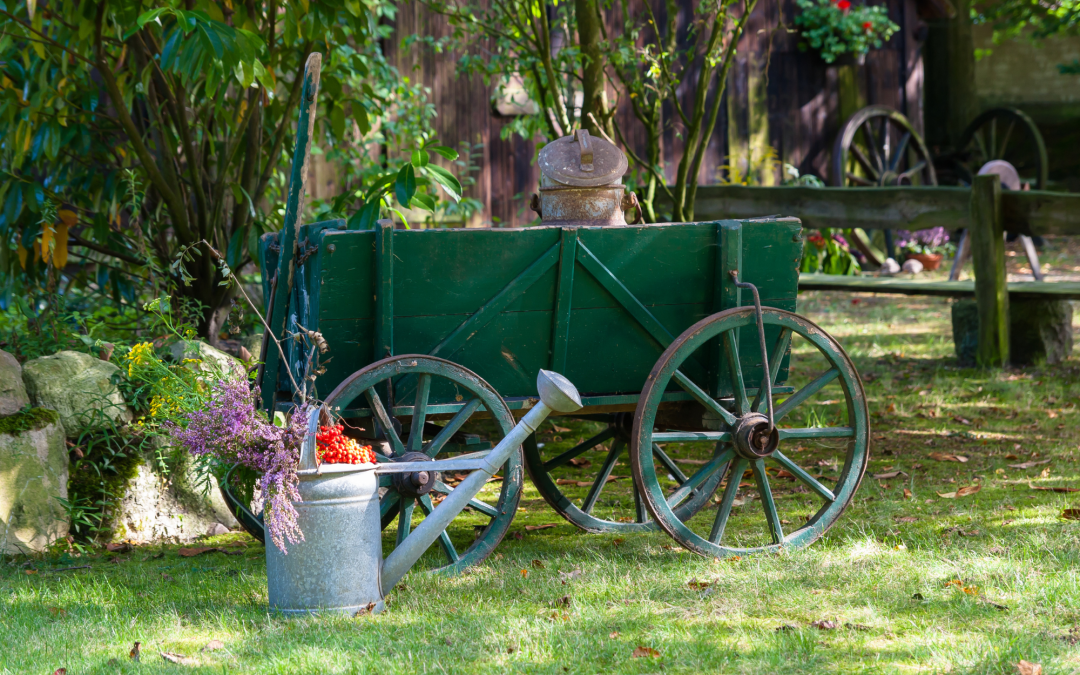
x=964 y=584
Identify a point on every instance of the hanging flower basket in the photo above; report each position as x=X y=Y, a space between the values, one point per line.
x=839 y=28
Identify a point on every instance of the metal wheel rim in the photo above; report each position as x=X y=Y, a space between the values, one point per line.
x=857 y=452
x=367 y=378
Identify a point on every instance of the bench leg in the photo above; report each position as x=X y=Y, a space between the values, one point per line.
x=988 y=257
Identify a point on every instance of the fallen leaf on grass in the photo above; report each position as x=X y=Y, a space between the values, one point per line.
x=614 y=635
x=1027 y=465
x=696 y=585
x=538 y=564
x=545 y=526
x=785 y=628
x=561 y=430
x=135 y=653
x=118 y=547
x=580 y=463
x=889 y=474
x=1011 y=456
x=824 y=624
x=783 y=473
x=524 y=574
x=906 y=519
x=213 y=646
x=907 y=493
x=618 y=542
x=1071 y=514
x=57 y=611
x=571 y=575
x=1028 y=668
x=518 y=534
x=641 y=651
x=694 y=462
x=961 y=420
x=1053 y=488
x=970 y=590
x=200 y=550
x=943 y=457
x=368 y=609
x=172 y=657
x=60 y=671
x=962 y=492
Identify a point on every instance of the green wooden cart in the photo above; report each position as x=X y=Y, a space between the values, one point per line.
x=429 y=329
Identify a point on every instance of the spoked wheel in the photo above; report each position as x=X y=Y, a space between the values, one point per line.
x=823 y=424
x=600 y=503
x=1004 y=134
x=878 y=147
x=418 y=404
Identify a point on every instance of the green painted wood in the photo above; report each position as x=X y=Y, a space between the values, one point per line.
x=804 y=476
x=492 y=308
x=294 y=207
x=1061 y=290
x=699 y=537
x=384 y=290
x=729 y=254
x=622 y=294
x=988 y=260
x=707 y=470
x=1034 y=212
x=564 y=299
x=441 y=278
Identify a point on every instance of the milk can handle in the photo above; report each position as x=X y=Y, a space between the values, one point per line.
x=586 y=149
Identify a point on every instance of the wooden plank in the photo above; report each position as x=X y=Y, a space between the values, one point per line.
x=728 y=295
x=560 y=336
x=384 y=290
x=493 y=307
x=913 y=208
x=1060 y=290
x=988 y=258
x=294 y=207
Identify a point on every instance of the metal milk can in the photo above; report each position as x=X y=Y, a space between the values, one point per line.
x=581 y=183
x=339 y=567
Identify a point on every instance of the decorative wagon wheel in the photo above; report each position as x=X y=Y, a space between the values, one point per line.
x=614 y=515
x=1006 y=134
x=399 y=498
x=878 y=147
x=839 y=423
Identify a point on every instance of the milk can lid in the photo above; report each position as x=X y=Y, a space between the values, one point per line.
x=582 y=160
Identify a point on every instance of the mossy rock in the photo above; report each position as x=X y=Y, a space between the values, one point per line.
x=81 y=388
x=33 y=478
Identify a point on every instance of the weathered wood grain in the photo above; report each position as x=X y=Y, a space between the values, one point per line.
x=988 y=257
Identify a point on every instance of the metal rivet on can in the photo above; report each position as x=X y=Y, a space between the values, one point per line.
x=331 y=248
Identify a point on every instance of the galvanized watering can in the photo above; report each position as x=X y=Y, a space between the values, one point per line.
x=339 y=566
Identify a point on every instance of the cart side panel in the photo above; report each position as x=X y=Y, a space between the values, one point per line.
x=346 y=306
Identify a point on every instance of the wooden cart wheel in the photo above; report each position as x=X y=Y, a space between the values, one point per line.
x=878 y=147
x=413 y=379
x=1007 y=134
x=586 y=510
x=828 y=411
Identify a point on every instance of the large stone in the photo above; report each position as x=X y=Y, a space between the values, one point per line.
x=172 y=506
x=1040 y=331
x=204 y=359
x=79 y=387
x=13 y=397
x=33 y=476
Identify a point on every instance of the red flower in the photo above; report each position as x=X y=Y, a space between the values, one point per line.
x=868 y=27
x=843 y=5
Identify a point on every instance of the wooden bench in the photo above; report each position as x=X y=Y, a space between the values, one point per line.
x=1055 y=290
x=984 y=210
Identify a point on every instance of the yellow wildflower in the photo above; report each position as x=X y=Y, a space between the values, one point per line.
x=139 y=355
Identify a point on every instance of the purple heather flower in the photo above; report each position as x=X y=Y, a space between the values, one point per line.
x=232 y=429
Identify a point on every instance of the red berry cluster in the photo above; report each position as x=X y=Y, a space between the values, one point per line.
x=337 y=449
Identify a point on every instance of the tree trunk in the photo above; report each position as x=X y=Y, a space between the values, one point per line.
x=592 y=80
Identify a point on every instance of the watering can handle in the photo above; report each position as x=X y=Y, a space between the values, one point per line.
x=556 y=395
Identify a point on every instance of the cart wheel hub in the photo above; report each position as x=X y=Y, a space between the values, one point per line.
x=416 y=483
x=753 y=439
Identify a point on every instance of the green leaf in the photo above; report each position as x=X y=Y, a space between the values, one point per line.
x=361 y=116
x=241 y=196
x=337 y=122
x=420 y=158
x=152 y=15
x=446 y=179
x=423 y=201
x=448 y=153
x=405 y=185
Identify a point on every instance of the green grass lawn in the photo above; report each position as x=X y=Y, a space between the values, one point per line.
x=906 y=584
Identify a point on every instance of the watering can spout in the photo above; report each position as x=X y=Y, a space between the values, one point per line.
x=557 y=394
